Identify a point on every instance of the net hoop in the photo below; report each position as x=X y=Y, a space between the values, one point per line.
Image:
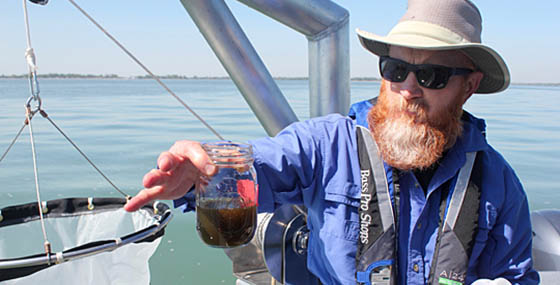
x=22 y=266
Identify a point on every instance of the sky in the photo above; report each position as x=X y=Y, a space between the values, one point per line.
x=161 y=34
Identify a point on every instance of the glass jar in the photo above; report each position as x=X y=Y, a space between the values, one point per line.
x=226 y=203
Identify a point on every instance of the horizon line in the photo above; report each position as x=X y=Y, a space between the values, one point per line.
x=185 y=77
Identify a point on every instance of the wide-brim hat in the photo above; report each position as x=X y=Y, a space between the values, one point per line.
x=444 y=25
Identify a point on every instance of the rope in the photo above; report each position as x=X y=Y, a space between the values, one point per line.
x=155 y=77
x=28 y=34
x=34 y=154
x=34 y=86
x=31 y=62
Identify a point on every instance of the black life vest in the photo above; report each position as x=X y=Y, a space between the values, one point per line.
x=376 y=256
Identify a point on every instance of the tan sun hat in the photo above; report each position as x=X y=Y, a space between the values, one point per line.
x=444 y=25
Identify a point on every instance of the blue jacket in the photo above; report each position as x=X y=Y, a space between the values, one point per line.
x=315 y=163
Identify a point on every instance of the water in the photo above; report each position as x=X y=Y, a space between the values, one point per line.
x=123 y=125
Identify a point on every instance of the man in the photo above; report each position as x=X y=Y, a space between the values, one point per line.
x=421 y=198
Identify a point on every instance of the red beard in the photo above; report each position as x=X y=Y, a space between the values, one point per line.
x=406 y=137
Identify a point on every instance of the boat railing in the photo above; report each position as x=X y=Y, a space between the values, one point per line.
x=324 y=23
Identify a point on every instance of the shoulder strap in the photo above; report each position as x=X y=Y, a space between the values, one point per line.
x=375 y=255
x=457 y=230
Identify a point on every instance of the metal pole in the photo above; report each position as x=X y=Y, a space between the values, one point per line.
x=325 y=24
x=329 y=74
x=232 y=47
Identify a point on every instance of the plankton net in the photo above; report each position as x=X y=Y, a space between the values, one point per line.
x=91 y=232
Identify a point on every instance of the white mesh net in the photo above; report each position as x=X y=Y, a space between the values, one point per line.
x=125 y=265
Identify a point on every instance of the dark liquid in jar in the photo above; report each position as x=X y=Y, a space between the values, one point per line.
x=219 y=226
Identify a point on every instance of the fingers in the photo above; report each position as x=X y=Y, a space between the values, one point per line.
x=156 y=177
x=183 y=151
x=168 y=161
x=183 y=176
x=181 y=154
x=142 y=198
x=156 y=193
x=179 y=169
x=193 y=152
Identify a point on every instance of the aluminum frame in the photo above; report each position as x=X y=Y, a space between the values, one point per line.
x=324 y=23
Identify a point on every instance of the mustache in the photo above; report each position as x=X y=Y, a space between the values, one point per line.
x=414 y=110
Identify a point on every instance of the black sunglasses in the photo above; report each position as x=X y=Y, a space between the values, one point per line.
x=41 y=2
x=431 y=76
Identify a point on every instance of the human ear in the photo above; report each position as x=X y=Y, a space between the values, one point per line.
x=472 y=82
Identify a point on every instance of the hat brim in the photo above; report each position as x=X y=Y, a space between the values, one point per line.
x=489 y=62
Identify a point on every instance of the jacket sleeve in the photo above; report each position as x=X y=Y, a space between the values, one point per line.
x=298 y=164
x=511 y=236
x=287 y=165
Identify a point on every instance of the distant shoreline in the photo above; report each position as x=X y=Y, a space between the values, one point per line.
x=183 y=77
x=172 y=76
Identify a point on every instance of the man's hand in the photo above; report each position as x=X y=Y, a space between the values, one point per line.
x=498 y=281
x=178 y=170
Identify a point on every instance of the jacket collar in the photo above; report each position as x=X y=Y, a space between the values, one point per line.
x=472 y=139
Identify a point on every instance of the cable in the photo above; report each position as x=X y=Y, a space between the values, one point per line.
x=155 y=77
x=44 y=114
x=13 y=141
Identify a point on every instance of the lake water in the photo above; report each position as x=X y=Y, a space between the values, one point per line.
x=123 y=125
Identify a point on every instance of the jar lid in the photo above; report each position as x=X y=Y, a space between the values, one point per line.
x=229 y=154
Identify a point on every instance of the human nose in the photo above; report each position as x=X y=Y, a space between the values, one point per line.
x=409 y=88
